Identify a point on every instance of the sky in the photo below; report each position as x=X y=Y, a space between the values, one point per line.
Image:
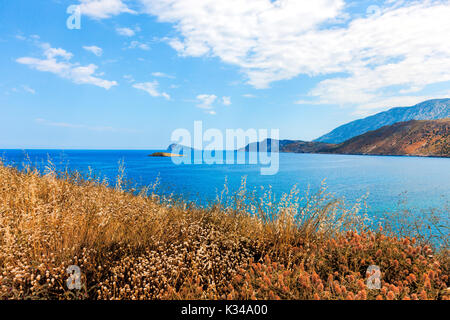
x=135 y=71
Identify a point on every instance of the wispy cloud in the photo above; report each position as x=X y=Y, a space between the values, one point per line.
x=162 y=75
x=129 y=78
x=207 y=101
x=74 y=125
x=259 y=36
x=57 y=61
x=139 y=45
x=127 y=32
x=226 y=101
x=33 y=37
x=94 y=49
x=103 y=9
x=402 y=44
x=28 y=89
x=23 y=88
x=151 y=88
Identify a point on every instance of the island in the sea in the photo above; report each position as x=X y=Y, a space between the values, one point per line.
x=164 y=154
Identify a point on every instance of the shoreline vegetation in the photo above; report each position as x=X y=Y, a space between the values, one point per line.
x=145 y=246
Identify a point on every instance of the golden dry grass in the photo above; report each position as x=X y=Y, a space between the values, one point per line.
x=242 y=247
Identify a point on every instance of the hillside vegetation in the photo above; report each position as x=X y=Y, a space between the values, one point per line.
x=414 y=138
x=142 y=246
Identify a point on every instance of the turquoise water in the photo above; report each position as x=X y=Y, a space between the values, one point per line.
x=417 y=184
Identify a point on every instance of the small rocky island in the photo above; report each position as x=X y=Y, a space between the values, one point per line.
x=164 y=154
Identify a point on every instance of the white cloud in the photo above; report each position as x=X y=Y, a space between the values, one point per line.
x=52 y=53
x=226 y=101
x=127 y=32
x=33 y=37
x=129 y=78
x=252 y=34
x=56 y=61
x=94 y=49
x=403 y=45
x=28 y=89
x=103 y=9
x=24 y=88
x=205 y=101
x=140 y=45
x=151 y=88
x=249 y=95
x=73 y=125
x=308 y=102
x=162 y=75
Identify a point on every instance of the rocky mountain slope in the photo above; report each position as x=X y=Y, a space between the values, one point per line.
x=428 y=110
x=414 y=138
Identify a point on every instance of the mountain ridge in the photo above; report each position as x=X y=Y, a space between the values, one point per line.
x=426 y=110
x=412 y=138
x=430 y=138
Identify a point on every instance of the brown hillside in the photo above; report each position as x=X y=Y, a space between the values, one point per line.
x=415 y=138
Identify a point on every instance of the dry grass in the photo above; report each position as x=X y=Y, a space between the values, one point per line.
x=242 y=247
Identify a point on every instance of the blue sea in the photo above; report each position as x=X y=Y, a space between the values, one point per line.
x=391 y=183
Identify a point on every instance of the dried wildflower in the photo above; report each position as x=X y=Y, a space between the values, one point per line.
x=423 y=295
x=337 y=288
x=362 y=295
x=361 y=284
x=391 y=295
x=320 y=287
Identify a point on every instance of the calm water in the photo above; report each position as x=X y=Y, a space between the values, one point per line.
x=420 y=183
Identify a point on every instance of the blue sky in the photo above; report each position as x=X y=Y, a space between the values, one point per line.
x=137 y=70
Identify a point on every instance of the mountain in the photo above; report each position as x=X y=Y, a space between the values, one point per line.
x=414 y=138
x=267 y=145
x=293 y=146
x=305 y=147
x=428 y=110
